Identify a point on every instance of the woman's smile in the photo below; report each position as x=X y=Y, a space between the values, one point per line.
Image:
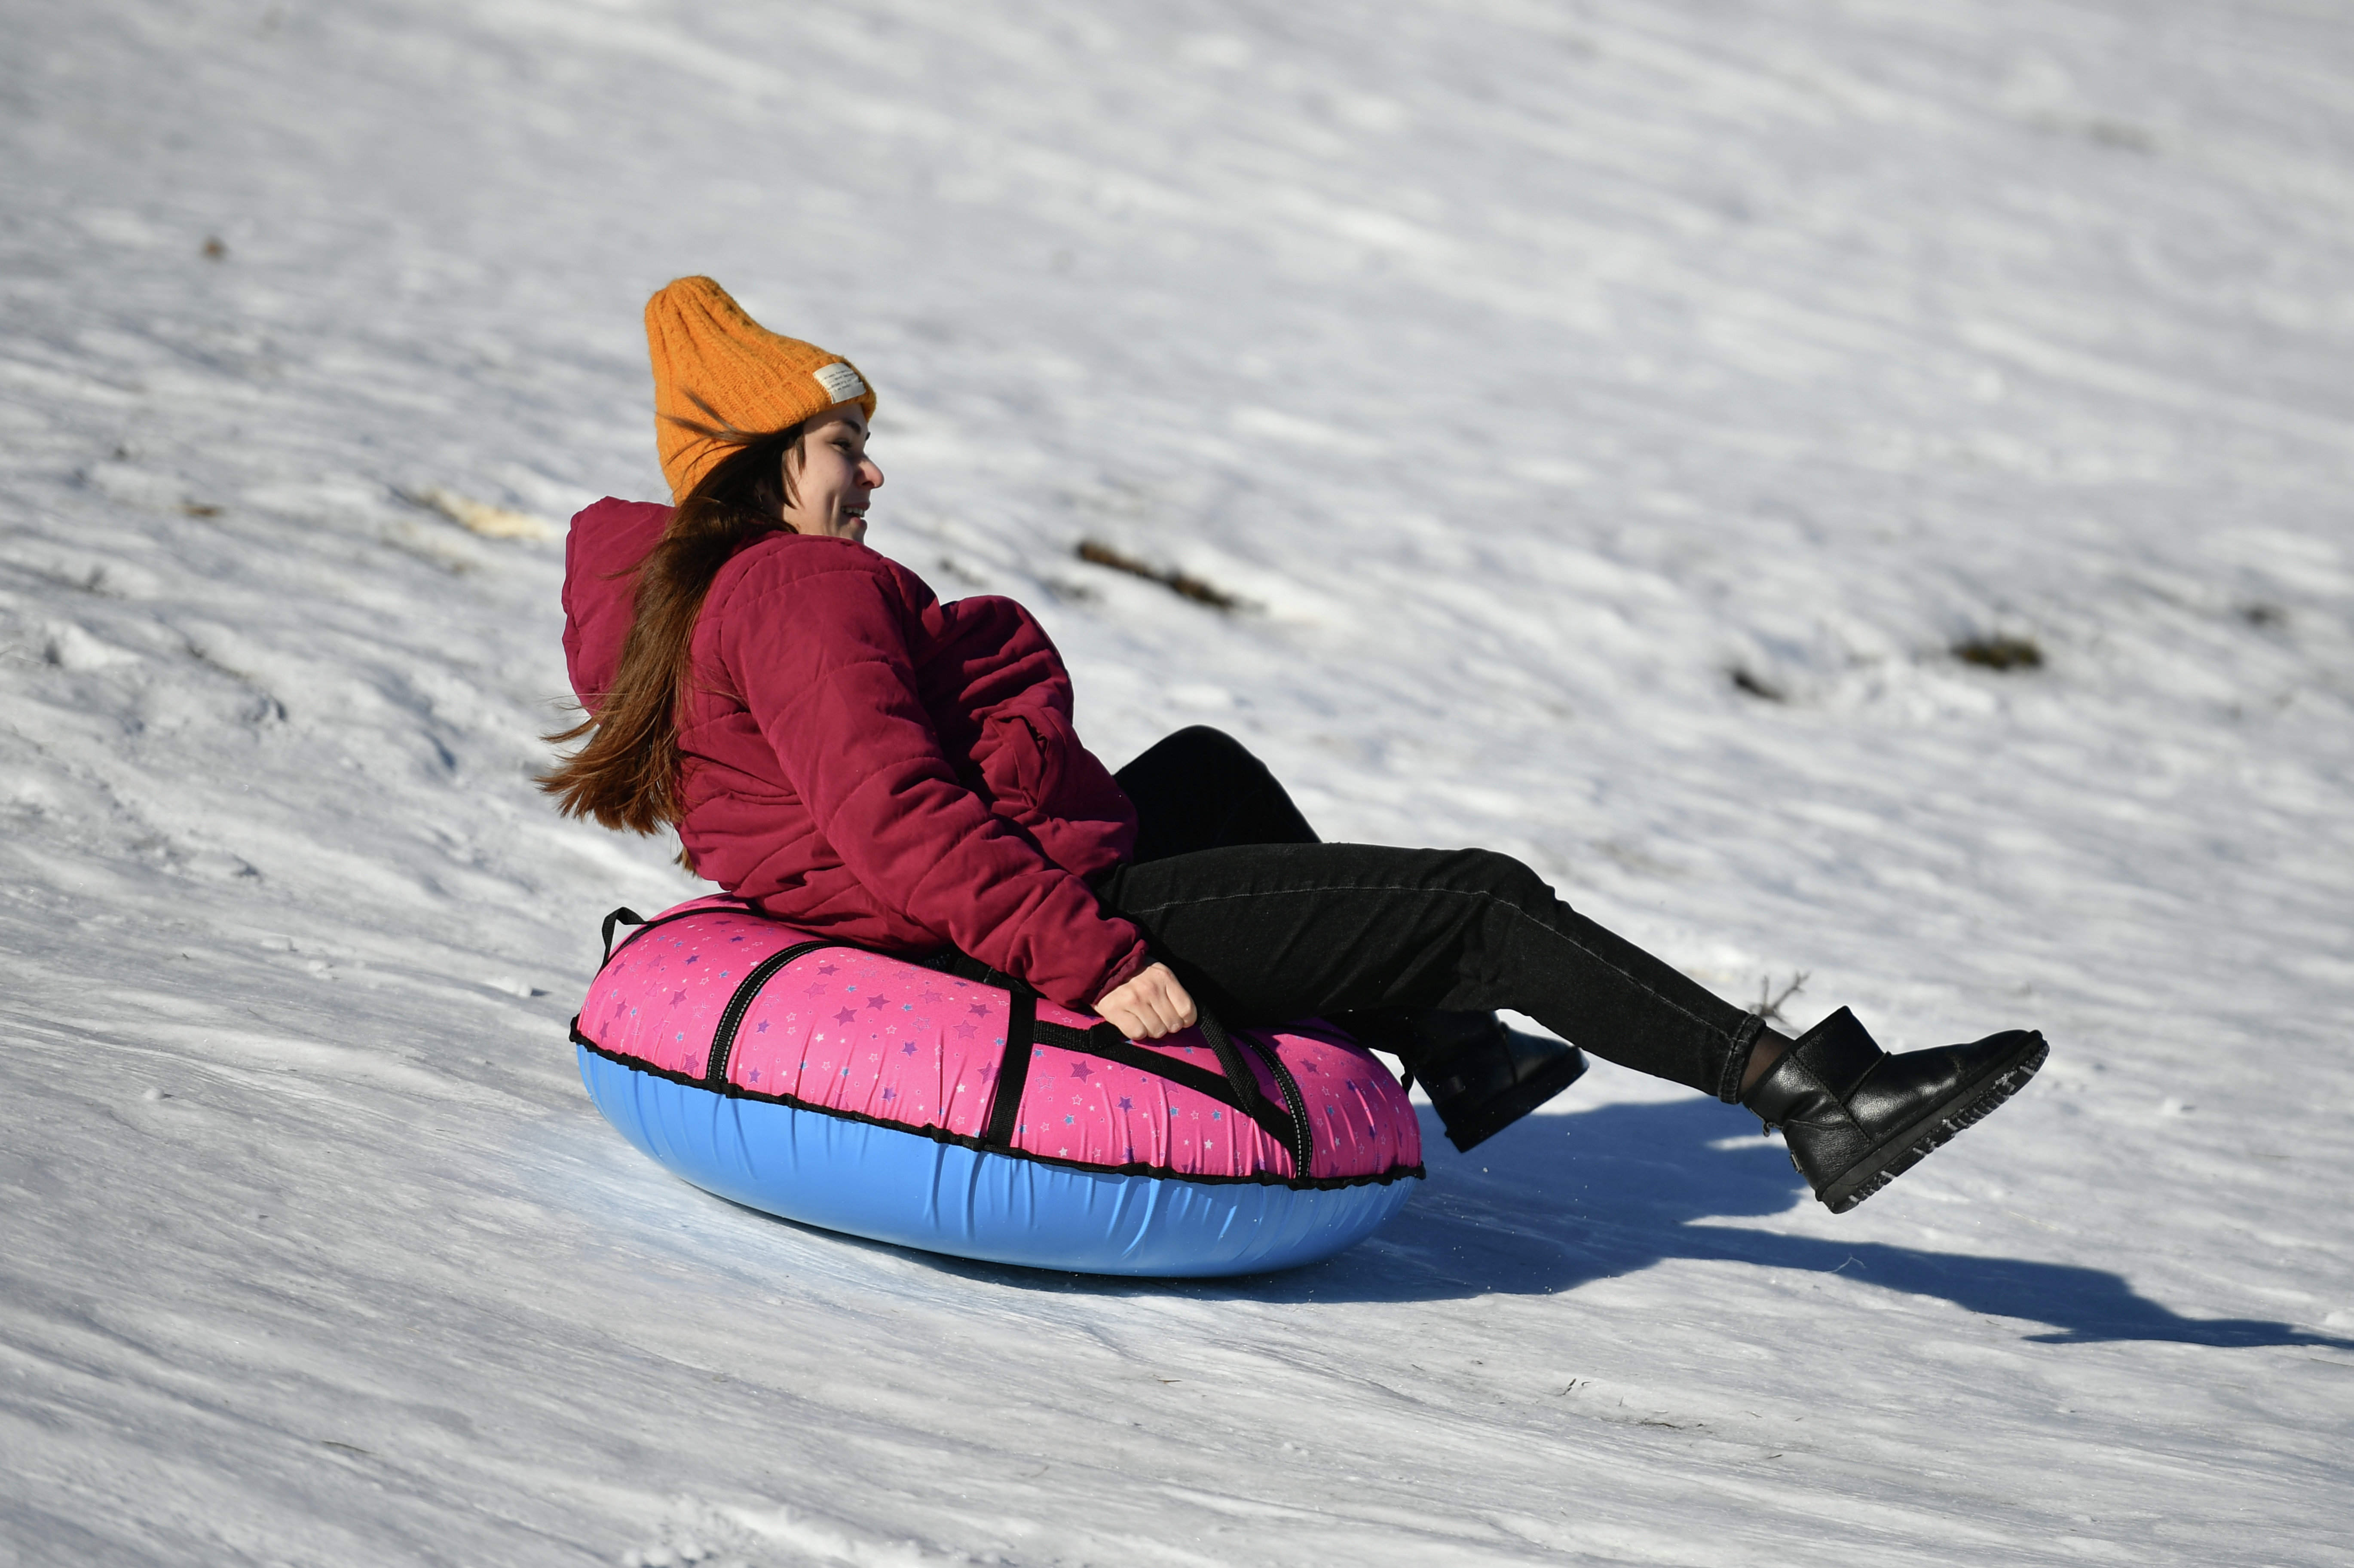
x=829 y=481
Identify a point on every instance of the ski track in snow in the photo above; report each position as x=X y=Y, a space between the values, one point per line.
x=1532 y=367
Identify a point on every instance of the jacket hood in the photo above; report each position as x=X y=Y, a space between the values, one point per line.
x=600 y=559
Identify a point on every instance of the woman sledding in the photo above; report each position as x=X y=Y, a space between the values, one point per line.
x=861 y=760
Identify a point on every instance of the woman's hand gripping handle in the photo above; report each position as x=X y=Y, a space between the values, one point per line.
x=1148 y=1006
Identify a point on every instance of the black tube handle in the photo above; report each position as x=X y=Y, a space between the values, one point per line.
x=621 y=917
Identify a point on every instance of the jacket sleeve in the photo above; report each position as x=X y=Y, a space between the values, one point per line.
x=822 y=664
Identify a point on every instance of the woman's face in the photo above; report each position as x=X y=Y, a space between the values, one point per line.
x=829 y=476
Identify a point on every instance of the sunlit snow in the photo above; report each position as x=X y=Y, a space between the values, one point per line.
x=1612 y=416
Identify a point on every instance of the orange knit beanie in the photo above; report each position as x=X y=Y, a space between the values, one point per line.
x=718 y=373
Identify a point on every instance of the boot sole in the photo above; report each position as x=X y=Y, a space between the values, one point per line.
x=1516 y=1102
x=1903 y=1153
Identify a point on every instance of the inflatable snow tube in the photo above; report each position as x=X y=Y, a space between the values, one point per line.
x=907 y=1104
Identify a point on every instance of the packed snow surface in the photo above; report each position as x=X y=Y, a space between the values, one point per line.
x=1613 y=417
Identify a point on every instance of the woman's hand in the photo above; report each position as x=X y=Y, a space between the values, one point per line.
x=1149 y=1006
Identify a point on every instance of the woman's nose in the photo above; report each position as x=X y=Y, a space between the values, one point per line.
x=869 y=474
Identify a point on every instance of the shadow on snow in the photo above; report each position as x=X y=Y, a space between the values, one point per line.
x=1558 y=1202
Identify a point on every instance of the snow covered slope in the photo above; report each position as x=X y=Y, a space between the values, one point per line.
x=1614 y=415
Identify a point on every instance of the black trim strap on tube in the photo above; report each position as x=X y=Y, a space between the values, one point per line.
x=747 y=989
x=1288 y=1124
x=1304 y=1149
x=1107 y=1042
x=1301 y=1141
x=1013 y=1069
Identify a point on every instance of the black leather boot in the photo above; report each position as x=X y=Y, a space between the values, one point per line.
x=1483 y=1076
x=1856 y=1117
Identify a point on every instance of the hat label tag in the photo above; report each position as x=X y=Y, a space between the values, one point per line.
x=840 y=382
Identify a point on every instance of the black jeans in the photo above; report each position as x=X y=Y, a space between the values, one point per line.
x=1264 y=923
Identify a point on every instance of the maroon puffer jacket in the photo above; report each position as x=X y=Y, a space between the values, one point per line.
x=870 y=763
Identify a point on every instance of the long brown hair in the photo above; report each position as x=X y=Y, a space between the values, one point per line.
x=627 y=775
